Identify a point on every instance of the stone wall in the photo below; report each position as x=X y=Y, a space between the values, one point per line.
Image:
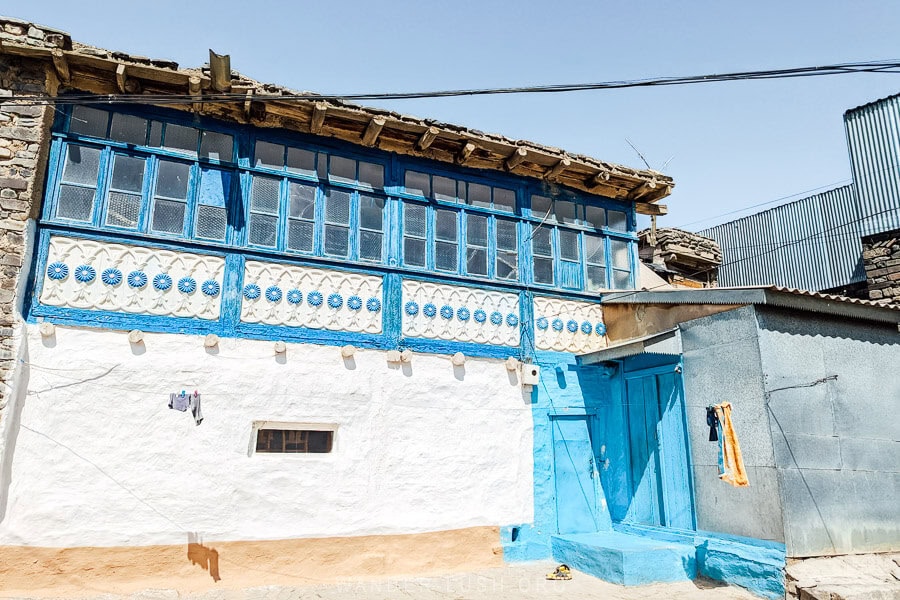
x=24 y=144
x=881 y=257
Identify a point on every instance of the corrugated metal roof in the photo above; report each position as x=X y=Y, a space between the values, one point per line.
x=873 y=138
x=811 y=243
x=766 y=295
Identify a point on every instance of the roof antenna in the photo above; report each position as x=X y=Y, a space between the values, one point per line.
x=639 y=154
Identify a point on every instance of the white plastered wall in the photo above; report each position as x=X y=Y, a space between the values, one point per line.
x=100 y=460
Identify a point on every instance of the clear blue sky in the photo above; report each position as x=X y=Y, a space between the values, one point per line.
x=734 y=144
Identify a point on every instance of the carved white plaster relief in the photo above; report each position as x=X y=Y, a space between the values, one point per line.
x=461 y=314
x=568 y=325
x=278 y=294
x=97 y=275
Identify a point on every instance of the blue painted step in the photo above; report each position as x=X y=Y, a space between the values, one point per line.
x=626 y=559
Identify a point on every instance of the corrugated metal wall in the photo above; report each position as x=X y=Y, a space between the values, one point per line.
x=812 y=244
x=873 y=138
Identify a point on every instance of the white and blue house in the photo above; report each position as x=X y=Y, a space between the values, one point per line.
x=401 y=332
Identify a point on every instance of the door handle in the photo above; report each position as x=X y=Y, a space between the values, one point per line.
x=591 y=466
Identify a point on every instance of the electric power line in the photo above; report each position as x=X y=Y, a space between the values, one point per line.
x=880 y=66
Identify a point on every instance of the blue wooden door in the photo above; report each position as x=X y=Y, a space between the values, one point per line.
x=574 y=470
x=658 y=450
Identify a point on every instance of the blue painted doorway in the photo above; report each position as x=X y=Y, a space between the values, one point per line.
x=575 y=474
x=659 y=469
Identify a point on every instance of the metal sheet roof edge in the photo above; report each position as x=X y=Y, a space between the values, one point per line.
x=766 y=295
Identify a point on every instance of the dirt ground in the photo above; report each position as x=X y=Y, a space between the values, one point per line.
x=521 y=582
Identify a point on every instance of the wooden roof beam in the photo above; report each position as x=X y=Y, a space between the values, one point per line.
x=427 y=138
x=516 y=159
x=601 y=178
x=196 y=93
x=557 y=169
x=645 y=208
x=642 y=190
x=61 y=65
x=373 y=130
x=318 y=117
x=465 y=153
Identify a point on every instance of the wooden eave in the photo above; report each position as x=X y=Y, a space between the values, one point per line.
x=88 y=70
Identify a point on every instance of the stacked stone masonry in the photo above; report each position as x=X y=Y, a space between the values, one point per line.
x=24 y=133
x=881 y=257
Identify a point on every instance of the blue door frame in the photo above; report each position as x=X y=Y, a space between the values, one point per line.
x=659 y=476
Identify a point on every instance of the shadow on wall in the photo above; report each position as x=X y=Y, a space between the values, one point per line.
x=207 y=558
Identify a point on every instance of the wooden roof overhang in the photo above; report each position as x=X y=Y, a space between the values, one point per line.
x=223 y=94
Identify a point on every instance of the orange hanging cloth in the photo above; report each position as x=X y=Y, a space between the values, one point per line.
x=731 y=462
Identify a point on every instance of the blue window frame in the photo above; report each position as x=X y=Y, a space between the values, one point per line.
x=186 y=178
x=579 y=245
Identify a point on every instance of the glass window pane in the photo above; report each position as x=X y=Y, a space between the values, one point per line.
x=264 y=194
x=342 y=169
x=414 y=220
x=181 y=138
x=446 y=225
x=445 y=256
x=215 y=187
x=594 y=250
x=476 y=230
x=568 y=245
x=476 y=261
x=128 y=129
x=128 y=173
x=479 y=195
x=507 y=265
x=620 y=255
x=371 y=210
x=565 y=211
x=596 y=278
x=211 y=222
x=336 y=240
x=540 y=207
x=372 y=174
x=414 y=252
x=263 y=230
x=216 y=146
x=370 y=244
x=123 y=210
x=418 y=184
x=337 y=207
x=444 y=188
x=300 y=235
x=596 y=216
x=540 y=241
x=618 y=220
x=621 y=280
x=303 y=201
x=504 y=199
x=155 y=134
x=507 y=237
x=301 y=161
x=168 y=216
x=89 y=121
x=172 y=179
x=269 y=155
x=82 y=164
x=75 y=203
x=543 y=270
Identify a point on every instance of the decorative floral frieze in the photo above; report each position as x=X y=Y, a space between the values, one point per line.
x=461 y=314
x=95 y=275
x=277 y=294
x=568 y=325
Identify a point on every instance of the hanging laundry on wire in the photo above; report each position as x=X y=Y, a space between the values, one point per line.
x=185 y=401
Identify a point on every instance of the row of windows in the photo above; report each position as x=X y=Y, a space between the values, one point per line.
x=301 y=200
